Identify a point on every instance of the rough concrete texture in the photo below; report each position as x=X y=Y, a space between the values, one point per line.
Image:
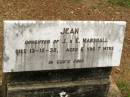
x=78 y=87
x=113 y=90
x=88 y=82
x=74 y=89
x=86 y=88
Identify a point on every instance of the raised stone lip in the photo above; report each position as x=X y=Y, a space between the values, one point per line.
x=61 y=21
x=57 y=85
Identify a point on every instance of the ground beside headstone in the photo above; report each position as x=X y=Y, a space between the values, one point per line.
x=114 y=90
x=0 y=89
x=84 y=10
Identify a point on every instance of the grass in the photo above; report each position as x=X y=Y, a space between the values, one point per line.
x=124 y=87
x=128 y=95
x=124 y=3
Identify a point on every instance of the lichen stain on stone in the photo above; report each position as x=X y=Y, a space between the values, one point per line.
x=6 y=58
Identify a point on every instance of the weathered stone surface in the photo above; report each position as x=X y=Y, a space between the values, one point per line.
x=59 y=75
x=51 y=45
x=86 y=88
x=88 y=82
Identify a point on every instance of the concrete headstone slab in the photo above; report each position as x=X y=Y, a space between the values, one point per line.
x=50 y=45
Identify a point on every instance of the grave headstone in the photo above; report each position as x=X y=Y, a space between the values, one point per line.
x=50 y=45
x=61 y=58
